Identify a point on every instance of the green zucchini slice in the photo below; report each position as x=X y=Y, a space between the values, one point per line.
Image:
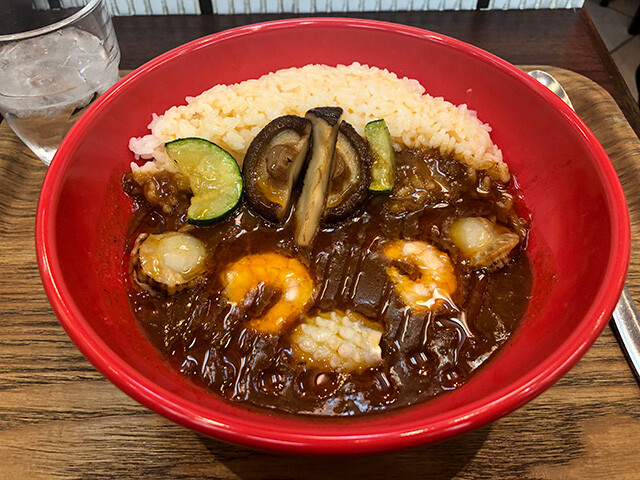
x=383 y=170
x=214 y=176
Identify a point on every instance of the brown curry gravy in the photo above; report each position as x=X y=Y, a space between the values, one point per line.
x=423 y=355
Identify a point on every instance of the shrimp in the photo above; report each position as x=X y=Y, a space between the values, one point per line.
x=422 y=275
x=287 y=276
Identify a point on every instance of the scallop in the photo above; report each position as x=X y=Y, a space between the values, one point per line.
x=168 y=261
x=483 y=243
x=338 y=341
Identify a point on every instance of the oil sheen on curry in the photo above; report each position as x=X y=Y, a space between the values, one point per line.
x=333 y=273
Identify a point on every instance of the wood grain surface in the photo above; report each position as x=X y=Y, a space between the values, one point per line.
x=59 y=418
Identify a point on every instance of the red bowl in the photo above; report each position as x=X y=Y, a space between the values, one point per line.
x=579 y=241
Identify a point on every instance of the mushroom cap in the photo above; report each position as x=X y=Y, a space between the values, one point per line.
x=310 y=208
x=350 y=175
x=273 y=163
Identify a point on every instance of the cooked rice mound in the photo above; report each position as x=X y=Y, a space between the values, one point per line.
x=232 y=115
x=340 y=341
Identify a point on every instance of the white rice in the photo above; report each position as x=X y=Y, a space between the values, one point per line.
x=232 y=115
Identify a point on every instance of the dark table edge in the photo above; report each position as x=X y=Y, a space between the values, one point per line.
x=627 y=103
x=189 y=27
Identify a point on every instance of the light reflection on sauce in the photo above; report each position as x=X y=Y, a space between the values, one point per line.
x=423 y=354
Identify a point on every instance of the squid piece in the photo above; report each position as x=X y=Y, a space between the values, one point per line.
x=339 y=341
x=422 y=275
x=168 y=261
x=483 y=243
x=288 y=280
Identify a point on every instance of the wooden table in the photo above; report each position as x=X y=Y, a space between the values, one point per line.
x=59 y=418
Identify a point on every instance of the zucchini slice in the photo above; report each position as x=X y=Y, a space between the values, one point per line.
x=214 y=176
x=383 y=170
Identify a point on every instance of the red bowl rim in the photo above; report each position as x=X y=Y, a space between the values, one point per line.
x=236 y=429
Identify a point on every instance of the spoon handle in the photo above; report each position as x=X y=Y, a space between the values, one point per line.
x=627 y=324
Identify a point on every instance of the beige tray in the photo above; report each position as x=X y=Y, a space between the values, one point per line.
x=59 y=418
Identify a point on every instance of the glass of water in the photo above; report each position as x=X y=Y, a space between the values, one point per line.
x=53 y=63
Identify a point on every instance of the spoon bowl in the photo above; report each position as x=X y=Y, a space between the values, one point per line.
x=552 y=84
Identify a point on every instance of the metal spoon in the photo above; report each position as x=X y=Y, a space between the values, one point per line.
x=626 y=319
x=552 y=84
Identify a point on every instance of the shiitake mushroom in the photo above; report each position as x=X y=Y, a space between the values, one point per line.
x=309 y=210
x=350 y=175
x=336 y=180
x=273 y=163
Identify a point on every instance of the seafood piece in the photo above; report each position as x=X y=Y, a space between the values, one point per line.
x=482 y=242
x=273 y=164
x=422 y=275
x=289 y=280
x=336 y=340
x=168 y=261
